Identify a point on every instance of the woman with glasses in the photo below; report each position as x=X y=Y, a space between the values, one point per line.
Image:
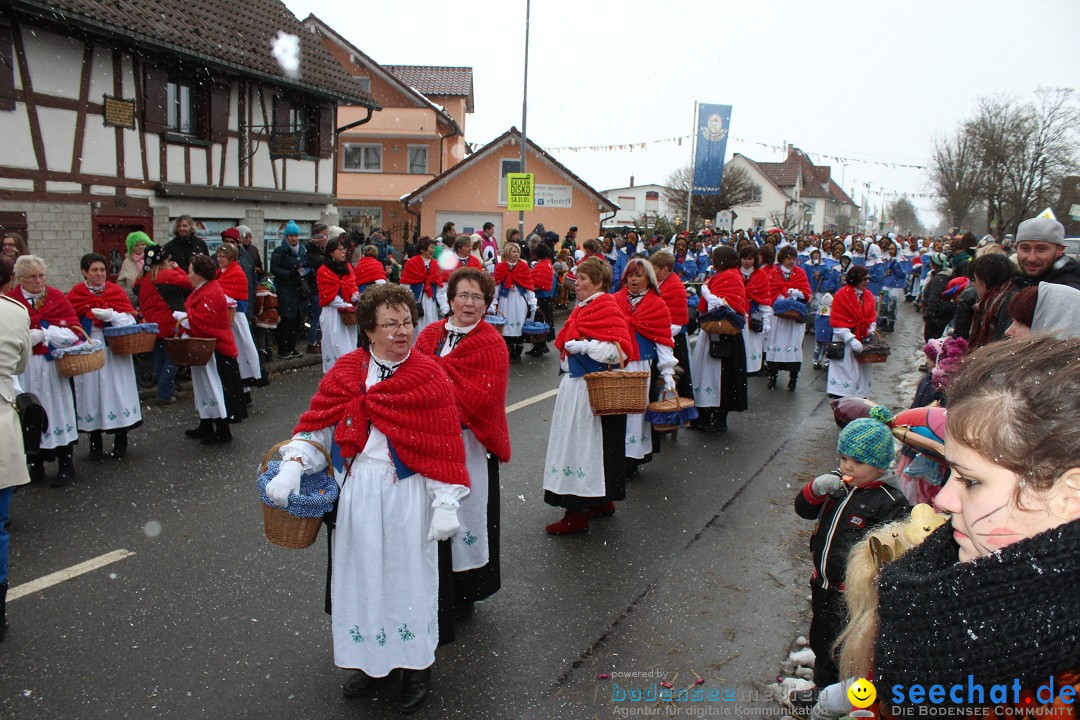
x=517 y=300
x=392 y=417
x=473 y=355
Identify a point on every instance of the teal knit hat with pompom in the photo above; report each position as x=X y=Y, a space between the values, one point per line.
x=869 y=440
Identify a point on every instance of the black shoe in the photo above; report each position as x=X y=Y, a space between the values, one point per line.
x=772 y=381
x=67 y=468
x=119 y=449
x=414 y=690
x=37 y=470
x=221 y=435
x=535 y=352
x=792 y=381
x=204 y=429
x=545 y=349
x=464 y=610
x=95 y=446
x=360 y=685
x=721 y=422
x=632 y=472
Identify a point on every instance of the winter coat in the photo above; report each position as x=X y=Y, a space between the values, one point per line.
x=937 y=310
x=965 y=309
x=180 y=249
x=1065 y=271
x=14 y=357
x=285 y=267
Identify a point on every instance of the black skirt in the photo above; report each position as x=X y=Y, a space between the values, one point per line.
x=232 y=386
x=613 y=428
x=733 y=395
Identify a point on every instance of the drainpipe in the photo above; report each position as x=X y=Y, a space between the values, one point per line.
x=351 y=125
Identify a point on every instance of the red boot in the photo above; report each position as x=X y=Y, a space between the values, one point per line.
x=572 y=522
x=603 y=511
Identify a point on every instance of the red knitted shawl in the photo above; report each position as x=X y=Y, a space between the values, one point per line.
x=233 y=282
x=368 y=270
x=673 y=292
x=414 y=273
x=774 y=284
x=847 y=312
x=415 y=408
x=83 y=299
x=650 y=318
x=332 y=285
x=601 y=319
x=543 y=275
x=478 y=368
x=728 y=285
x=518 y=275
x=797 y=281
x=758 y=288
x=52 y=308
x=208 y=316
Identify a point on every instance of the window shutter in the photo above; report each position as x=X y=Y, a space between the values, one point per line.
x=218 y=113
x=326 y=130
x=155 y=98
x=281 y=114
x=7 y=69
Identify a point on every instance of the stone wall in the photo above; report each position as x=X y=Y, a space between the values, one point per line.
x=60 y=234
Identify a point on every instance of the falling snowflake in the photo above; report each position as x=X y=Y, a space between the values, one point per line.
x=286 y=50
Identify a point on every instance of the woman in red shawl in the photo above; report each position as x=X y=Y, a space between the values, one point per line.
x=234 y=283
x=650 y=326
x=107 y=399
x=369 y=271
x=544 y=286
x=853 y=318
x=759 y=293
x=783 y=346
x=218 y=390
x=337 y=294
x=390 y=419
x=52 y=320
x=673 y=293
x=517 y=301
x=424 y=277
x=473 y=355
x=162 y=291
x=585 y=468
x=718 y=363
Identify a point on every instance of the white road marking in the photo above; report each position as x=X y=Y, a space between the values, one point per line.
x=67 y=574
x=529 y=401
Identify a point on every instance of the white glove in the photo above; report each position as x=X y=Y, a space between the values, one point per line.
x=873 y=328
x=179 y=316
x=827 y=484
x=675 y=330
x=778 y=297
x=669 y=383
x=337 y=302
x=796 y=294
x=856 y=346
x=766 y=325
x=575 y=347
x=286 y=482
x=103 y=314
x=355 y=298
x=444 y=523
x=36 y=337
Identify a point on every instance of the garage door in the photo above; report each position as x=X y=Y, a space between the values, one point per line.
x=468 y=223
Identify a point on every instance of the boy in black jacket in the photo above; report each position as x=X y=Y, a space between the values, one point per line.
x=846 y=503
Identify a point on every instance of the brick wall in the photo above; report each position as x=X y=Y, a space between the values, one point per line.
x=59 y=234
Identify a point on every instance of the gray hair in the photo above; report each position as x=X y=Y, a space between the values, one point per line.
x=28 y=263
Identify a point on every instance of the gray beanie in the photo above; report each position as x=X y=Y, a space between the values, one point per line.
x=1041 y=229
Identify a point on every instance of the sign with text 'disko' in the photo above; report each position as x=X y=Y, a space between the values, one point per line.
x=520 y=191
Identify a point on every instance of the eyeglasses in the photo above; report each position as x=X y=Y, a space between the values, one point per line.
x=407 y=325
x=470 y=297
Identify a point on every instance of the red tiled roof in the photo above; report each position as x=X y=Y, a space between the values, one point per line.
x=228 y=36
x=434 y=80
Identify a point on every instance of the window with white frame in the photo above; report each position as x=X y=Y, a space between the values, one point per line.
x=180 y=108
x=418 y=159
x=362 y=157
x=627 y=202
x=652 y=201
x=506 y=166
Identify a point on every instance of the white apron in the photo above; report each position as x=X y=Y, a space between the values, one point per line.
x=247 y=357
x=785 y=340
x=574 y=463
x=470 y=546
x=431 y=313
x=54 y=392
x=337 y=338
x=108 y=399
x=515 y=308
x=705 y=372
x=755 y=345
x=209 y=395
x=848 y=377
x=638 y=430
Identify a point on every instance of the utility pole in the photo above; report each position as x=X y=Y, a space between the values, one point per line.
x=525 y=112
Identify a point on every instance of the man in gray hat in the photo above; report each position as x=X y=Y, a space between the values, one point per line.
x=1040 y=253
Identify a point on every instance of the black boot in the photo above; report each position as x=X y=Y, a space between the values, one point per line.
x=414 y=689
x=205 y=429
x=721 y=421
x=360 y=684
x=67 y=467
x=95 y=445
x=772 y=379
x=222 y=434
x=119 y=448
x=793 y=379
x=3 y=611
x=37 y=469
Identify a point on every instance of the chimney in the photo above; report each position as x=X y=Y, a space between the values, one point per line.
x=631 y=181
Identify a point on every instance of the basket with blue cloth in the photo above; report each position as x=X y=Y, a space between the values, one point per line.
x=496 y=321
x=722 y=321
x=81 y=358
x=131 y=339
x=668 y=414
x=297 y=526
x=790 y=309
x=533 y=331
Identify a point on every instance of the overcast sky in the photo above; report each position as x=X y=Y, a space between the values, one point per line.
x=848 y=78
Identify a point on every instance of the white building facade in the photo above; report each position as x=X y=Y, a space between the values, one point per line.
x=636 y=202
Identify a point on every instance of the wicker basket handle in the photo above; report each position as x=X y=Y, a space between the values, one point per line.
x=270 y=453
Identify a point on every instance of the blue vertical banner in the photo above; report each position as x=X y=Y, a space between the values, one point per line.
x=710 y=141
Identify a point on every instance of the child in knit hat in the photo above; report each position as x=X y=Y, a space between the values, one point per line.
x=846 y=503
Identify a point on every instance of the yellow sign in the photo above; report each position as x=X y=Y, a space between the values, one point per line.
x=519 y=191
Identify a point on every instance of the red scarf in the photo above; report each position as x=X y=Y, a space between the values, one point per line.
x=543 y=275
x=848 y=312
x=518 y=275
x=208 y=317
x=728 y=285
x=650 y=318
x=415 y=408
x=774 y=284
x=52 y=308
x=368 y=270
x=233 y=281
x=601 y=319
x=673 y=292
x=414 y=273
x=113 y=297
x=478 y=368
x=332 y=285
x=797 y=281
x=758 y=288
x=985 y=318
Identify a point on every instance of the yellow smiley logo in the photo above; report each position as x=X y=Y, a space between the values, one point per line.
x=862 y=693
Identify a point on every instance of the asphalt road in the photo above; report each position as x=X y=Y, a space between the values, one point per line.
x=701 y=572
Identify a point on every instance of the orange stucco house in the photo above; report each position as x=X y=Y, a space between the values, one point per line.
x=474 y=192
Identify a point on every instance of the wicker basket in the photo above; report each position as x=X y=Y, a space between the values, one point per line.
x=347 y=316
x=132 y=343
x=672 y=404
x=617 y=392
x=190 y=351
x=281 y=528
x=719 y=327
x=874 y=351
x=72 y=364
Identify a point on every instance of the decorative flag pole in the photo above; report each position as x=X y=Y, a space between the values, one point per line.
x=693 y=165
x=524 y=111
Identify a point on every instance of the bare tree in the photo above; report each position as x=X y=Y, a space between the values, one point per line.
x=955 y=176
x=736 y=188
x=906 y=218
x=788 y=219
